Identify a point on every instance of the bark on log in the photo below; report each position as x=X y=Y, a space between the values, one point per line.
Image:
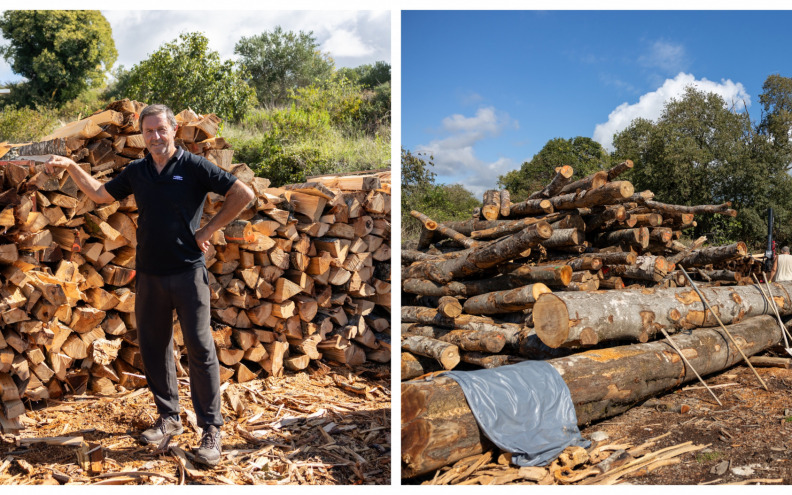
x=446 y=354
x=531 y=207
x=560 y=179
x=715 y=254
x=490 y=208
x=619 y=169
x=438 y=427
x=574 y=319
x=550 y=275
x=602 y=195
x=441 y=229
x=511 y=227
x=480 y=259
x=722 y=209
x=466 y=340
x=505 y=301
x=651 y=268
x=429 y=316
x=593 y=181
x=449 y=306
x=505 y=203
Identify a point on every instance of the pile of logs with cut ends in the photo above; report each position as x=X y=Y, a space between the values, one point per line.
x=564 y=275
x=302 y=274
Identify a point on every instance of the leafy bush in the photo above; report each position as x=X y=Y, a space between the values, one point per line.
x=19 y=125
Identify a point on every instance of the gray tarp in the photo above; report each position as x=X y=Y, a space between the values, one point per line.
x=524 y=409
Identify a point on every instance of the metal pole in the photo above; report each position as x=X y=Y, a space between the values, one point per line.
x=679 y=351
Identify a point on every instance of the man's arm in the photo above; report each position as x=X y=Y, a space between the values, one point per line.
x=775 y=267
x=235 y=201
x=87 y=184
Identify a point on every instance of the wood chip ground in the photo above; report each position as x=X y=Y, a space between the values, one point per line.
x=323 y=426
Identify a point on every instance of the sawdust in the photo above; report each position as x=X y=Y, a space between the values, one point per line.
x=323 y=426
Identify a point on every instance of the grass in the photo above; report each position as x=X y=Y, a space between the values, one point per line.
x=708 y=456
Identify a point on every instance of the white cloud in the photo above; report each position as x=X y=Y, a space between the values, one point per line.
x=650 y=105
x=344 y=43
x=667 y=56
x=455 y=156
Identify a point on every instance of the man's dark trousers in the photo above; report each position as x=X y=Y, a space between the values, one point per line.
x=156 y=297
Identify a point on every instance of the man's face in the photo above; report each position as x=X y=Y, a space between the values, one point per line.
x=158 y=134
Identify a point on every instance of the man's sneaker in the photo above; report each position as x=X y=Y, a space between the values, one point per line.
x=209 y=451
x=162 y=427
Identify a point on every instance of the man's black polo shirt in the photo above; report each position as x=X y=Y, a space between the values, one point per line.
x=170 y=205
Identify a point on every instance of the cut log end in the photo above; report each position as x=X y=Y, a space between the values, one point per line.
x=551 y=320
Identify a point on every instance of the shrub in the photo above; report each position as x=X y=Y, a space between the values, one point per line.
x=25 y=124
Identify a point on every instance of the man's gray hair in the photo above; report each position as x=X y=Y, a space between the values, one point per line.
x=156 y=110
x=785 y=249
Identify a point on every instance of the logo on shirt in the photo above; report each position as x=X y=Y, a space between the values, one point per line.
x=178 y=177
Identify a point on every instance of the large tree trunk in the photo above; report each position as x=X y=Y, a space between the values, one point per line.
x=573 y=319
x=438 y=427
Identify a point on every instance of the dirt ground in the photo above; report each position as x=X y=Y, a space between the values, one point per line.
x=749 y=437
x=324 y=426
x=747 y=440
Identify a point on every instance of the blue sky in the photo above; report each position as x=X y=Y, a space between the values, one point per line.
x=484 y=91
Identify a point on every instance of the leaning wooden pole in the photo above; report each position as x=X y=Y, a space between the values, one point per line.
x=438 y=427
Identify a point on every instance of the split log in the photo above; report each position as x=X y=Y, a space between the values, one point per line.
x=438 y=427
x=574 y=319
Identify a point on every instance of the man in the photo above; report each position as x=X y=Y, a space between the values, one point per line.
x=782 y=266
x=170 y=186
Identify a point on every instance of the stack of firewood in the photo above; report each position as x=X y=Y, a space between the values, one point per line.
x=302 y=274
x=564 y=276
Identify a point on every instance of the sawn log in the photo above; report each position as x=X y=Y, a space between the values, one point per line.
x=438 y=427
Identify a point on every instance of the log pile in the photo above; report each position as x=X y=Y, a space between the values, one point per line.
x=578 y=266
x=302 y=274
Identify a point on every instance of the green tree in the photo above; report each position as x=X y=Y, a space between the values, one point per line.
x=367 y=75
x=186 y=74
x=702 y=152
x=441 y=202
x=280 y=61
x=61 y=53
x=776 y=121
x=583 y=154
